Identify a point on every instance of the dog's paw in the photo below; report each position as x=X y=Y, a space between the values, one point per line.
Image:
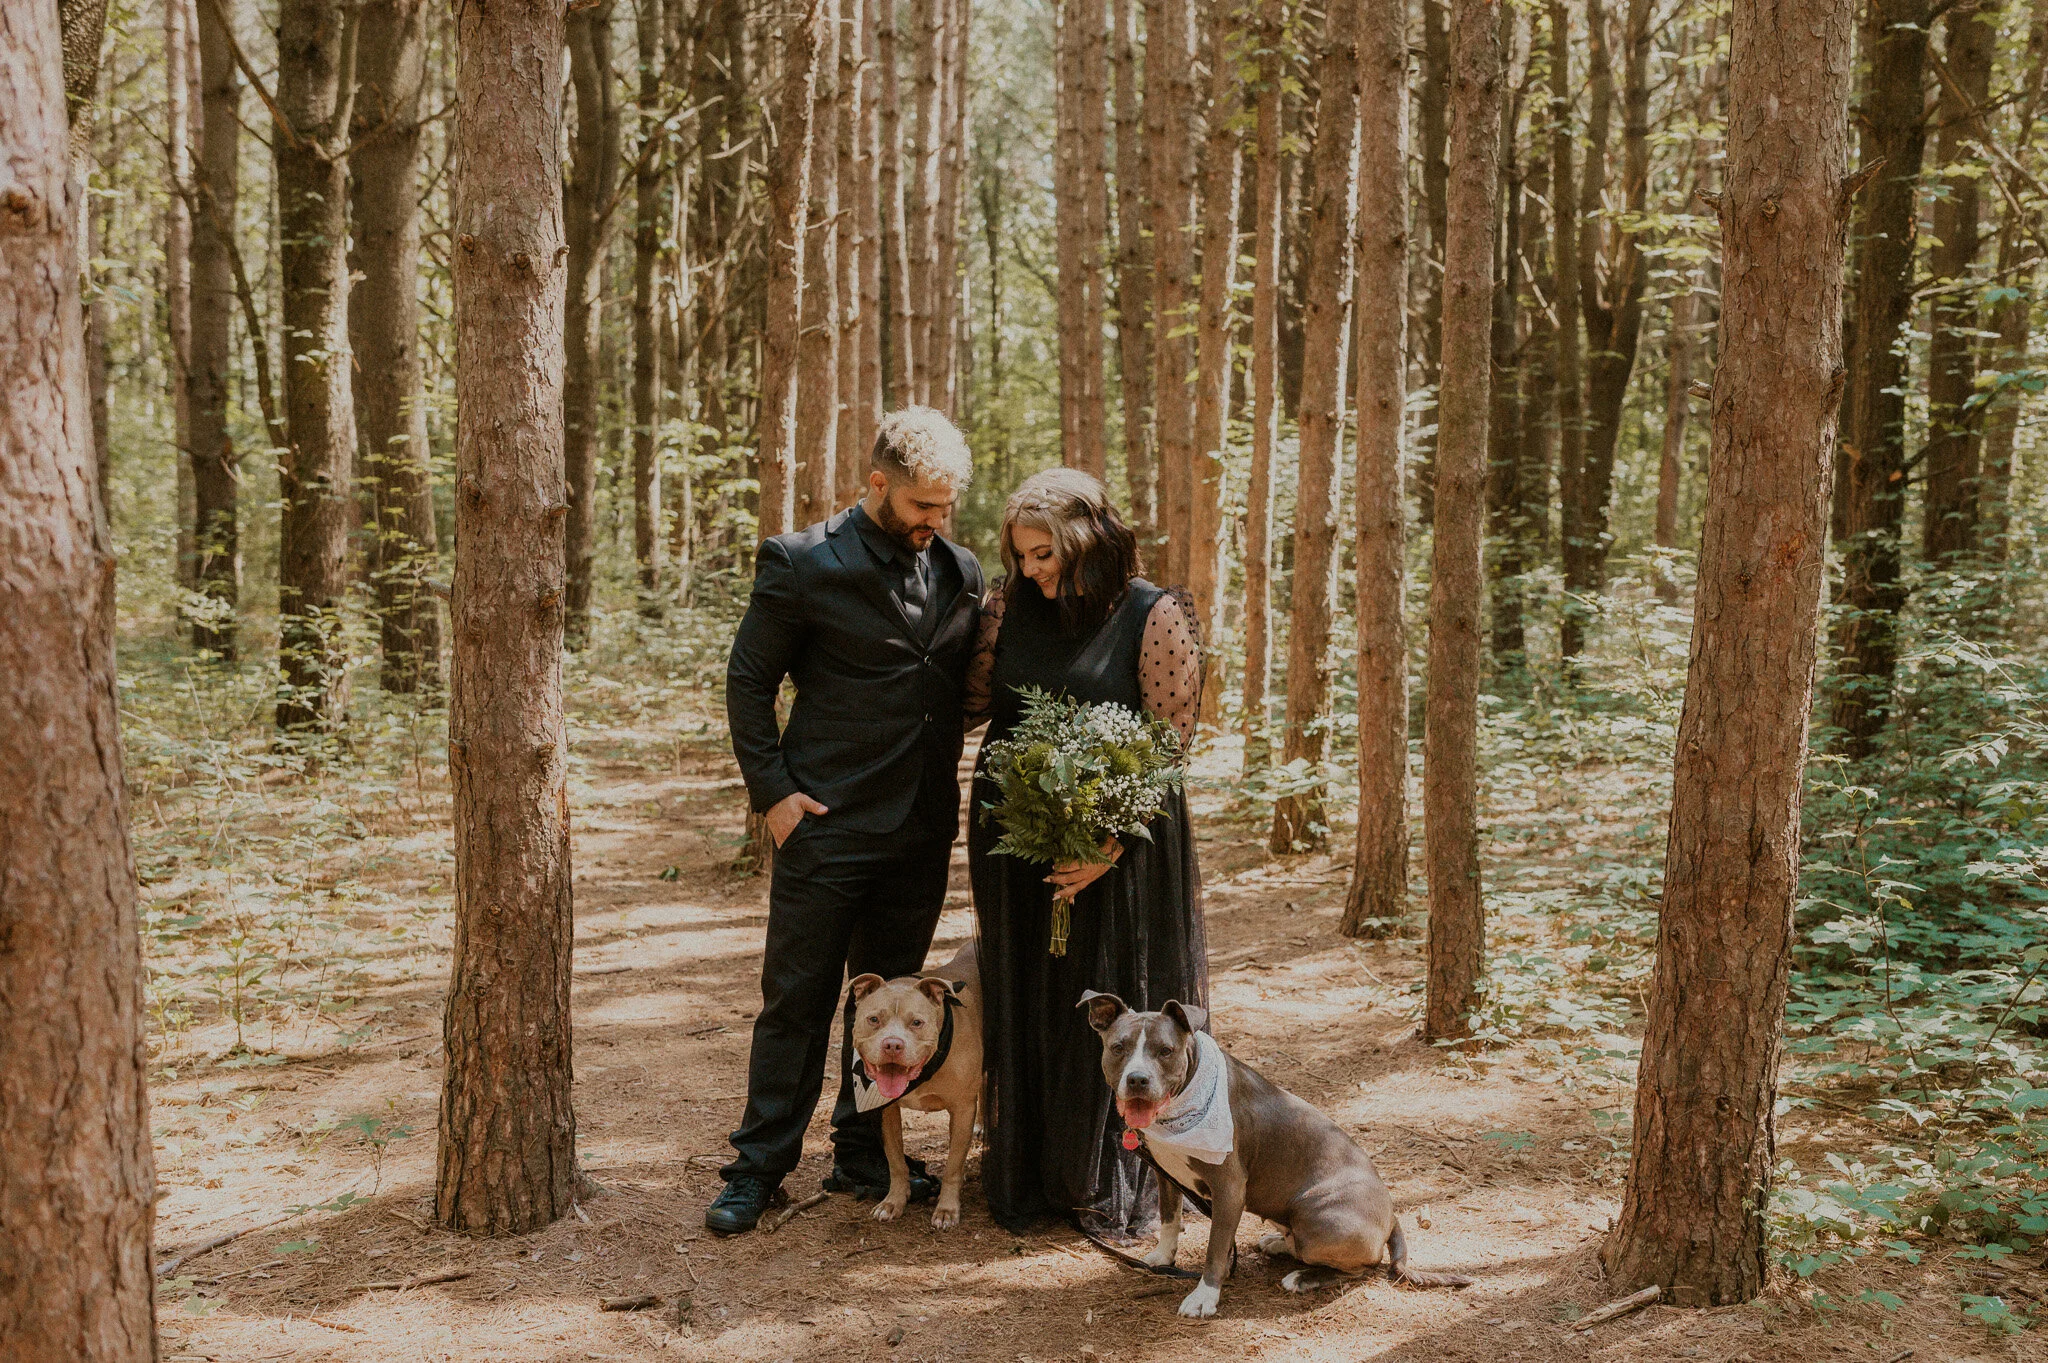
x=944 y=1217
x=1276 y=1244
x=1201 y=1302
x=1159 y=1256
x=1305 y=1280
x=889 y=1208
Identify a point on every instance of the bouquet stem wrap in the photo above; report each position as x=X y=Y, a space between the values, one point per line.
x=1073 y=775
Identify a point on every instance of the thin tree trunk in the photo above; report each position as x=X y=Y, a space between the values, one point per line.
x=592 y=179
x=946 y=310
x=1433 y=109
x=77 y=1182
x=1692 y=1220
x=1538 y=441
x=849 y=460
x=651 y=195
x=789 y=168
x=1265 y=385
x=1450 y=799
x=1677 y=406
x=1222 y=176
x=895 y=185
x=870 y=385
x=1949 y=527
x=921 y=189
x=216 y=467
x=1564 y=256
x=1170 y=138
x=2012 y=314
x=817 y=385
x=1076 y=253
x=1300 y=820
x=507 y=1159
x=178 y=273
x=315 y=83
x=1894 y=132
x=720 y=75
x=390 y=386
x=1504 y=565
x=1134 y=280
x=1378 y=893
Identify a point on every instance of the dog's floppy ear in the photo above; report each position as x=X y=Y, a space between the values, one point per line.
x=1187 y=1015
x=862 y=986
x=939 y=990
x=1103 y=1009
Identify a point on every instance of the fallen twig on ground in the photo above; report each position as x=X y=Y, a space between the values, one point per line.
x=419 y=1280
x=170 y=1265
x=782 y=1218
x=1633 y=1301
x=336 y=1325
x=639 y=1303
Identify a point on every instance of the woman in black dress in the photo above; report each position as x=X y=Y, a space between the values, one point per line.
x=1072 y=617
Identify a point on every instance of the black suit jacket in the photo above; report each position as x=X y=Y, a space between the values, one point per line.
x=877 y=713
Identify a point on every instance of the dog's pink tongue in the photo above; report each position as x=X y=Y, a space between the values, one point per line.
x=1138 y=1115
x=893 y=1081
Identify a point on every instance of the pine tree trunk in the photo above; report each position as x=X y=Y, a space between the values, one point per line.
x=869 y=391
x=77 y=1182
x=507 y=1160
x=1504 y=565
x=383 y=315
x=1170 y=139
x=1265 y=386
x=1894 y=131
x=177 y=128
x=1457 y=923
x=1300 y=820
x=1134 y=281
x=312 y=227
x=1538 y=441
x=1564 y=256
x=1378 y=894
x=1949 y=527
x=1677 y=407
x=719 y=73
x=817 y=384
x=895 y=185
x=2011 y=315
x=1432 y=110
x=1222 y=164
x=592 y=178
x=849 y=460
x=946 y=291
x=651 y=196
x=1076 y=256
x=1692 y=1220
x=921 y=188
x=789 y=169
x=216 y=467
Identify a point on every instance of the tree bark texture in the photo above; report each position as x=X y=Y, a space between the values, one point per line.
x=507 y=1159
x=384 y=315
x=216 y=467
x=1893 y=127
x=1432 y=112
x=895 y=229
x=1080 y=215
x=1134 y=329
x=817 y=384
x=1170 y=138
x=789 y=169
x=77 y=1182
x=921 y=186
x=1677 y=407
x=1378 y=894
x=1215 y=327
x=177 y=131
x=1564 y=256
x=870 y=388
x=1265 y=386
x=315 y=42
x=1692 y=1220
x=947 y=298
x=1450 y=796
x=651 y=193
x=592 y=179
x=2011 y=315
x=1949 y=526
x=1300 y=820
x=849 y=460
x=1504 y=565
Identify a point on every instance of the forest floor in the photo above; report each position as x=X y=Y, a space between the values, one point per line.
x=318 y=912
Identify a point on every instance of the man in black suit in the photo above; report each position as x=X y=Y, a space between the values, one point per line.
x=872 y=614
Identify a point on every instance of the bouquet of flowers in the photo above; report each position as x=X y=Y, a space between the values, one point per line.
x=1071 y=776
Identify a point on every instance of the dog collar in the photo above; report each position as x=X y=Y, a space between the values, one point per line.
x=867 y=1097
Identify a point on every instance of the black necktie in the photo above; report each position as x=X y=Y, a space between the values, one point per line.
x=916 y=592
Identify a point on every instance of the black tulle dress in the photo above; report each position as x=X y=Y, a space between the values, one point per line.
x=1054 y=1144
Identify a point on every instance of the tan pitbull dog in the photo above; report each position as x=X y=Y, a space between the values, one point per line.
x=896 y=1029
x=1281 y=1159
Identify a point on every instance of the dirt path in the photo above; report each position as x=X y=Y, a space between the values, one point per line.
x=1500 y=1169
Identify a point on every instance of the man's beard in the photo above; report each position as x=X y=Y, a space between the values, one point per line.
x=913 y=538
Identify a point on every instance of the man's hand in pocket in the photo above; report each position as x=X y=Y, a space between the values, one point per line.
x=788 y=812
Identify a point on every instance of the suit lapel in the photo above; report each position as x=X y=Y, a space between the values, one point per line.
x=965 y=596
x=855 y=558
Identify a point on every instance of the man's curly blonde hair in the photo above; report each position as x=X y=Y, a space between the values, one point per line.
x=920 y=444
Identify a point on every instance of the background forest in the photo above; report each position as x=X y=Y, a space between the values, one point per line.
x=1136 y=237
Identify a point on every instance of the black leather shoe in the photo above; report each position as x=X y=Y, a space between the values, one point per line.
x=867 y=1180
x=739 y=1207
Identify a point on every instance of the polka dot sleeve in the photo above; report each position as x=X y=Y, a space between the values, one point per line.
x=981 y=664
x=1170 y=666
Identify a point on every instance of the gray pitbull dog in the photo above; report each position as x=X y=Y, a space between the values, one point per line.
x=1272 y=1155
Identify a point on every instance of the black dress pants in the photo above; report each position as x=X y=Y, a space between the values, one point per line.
x=840 y=905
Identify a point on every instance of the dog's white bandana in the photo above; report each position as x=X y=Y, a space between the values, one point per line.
x=1197 y=1122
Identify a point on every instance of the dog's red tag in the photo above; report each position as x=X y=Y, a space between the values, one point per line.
x=1132 y=1140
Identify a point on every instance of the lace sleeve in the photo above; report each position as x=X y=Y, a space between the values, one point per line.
x=1170 y=667
x=981 y=663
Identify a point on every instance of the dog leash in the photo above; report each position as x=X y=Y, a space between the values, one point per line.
x=1158 y=1271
